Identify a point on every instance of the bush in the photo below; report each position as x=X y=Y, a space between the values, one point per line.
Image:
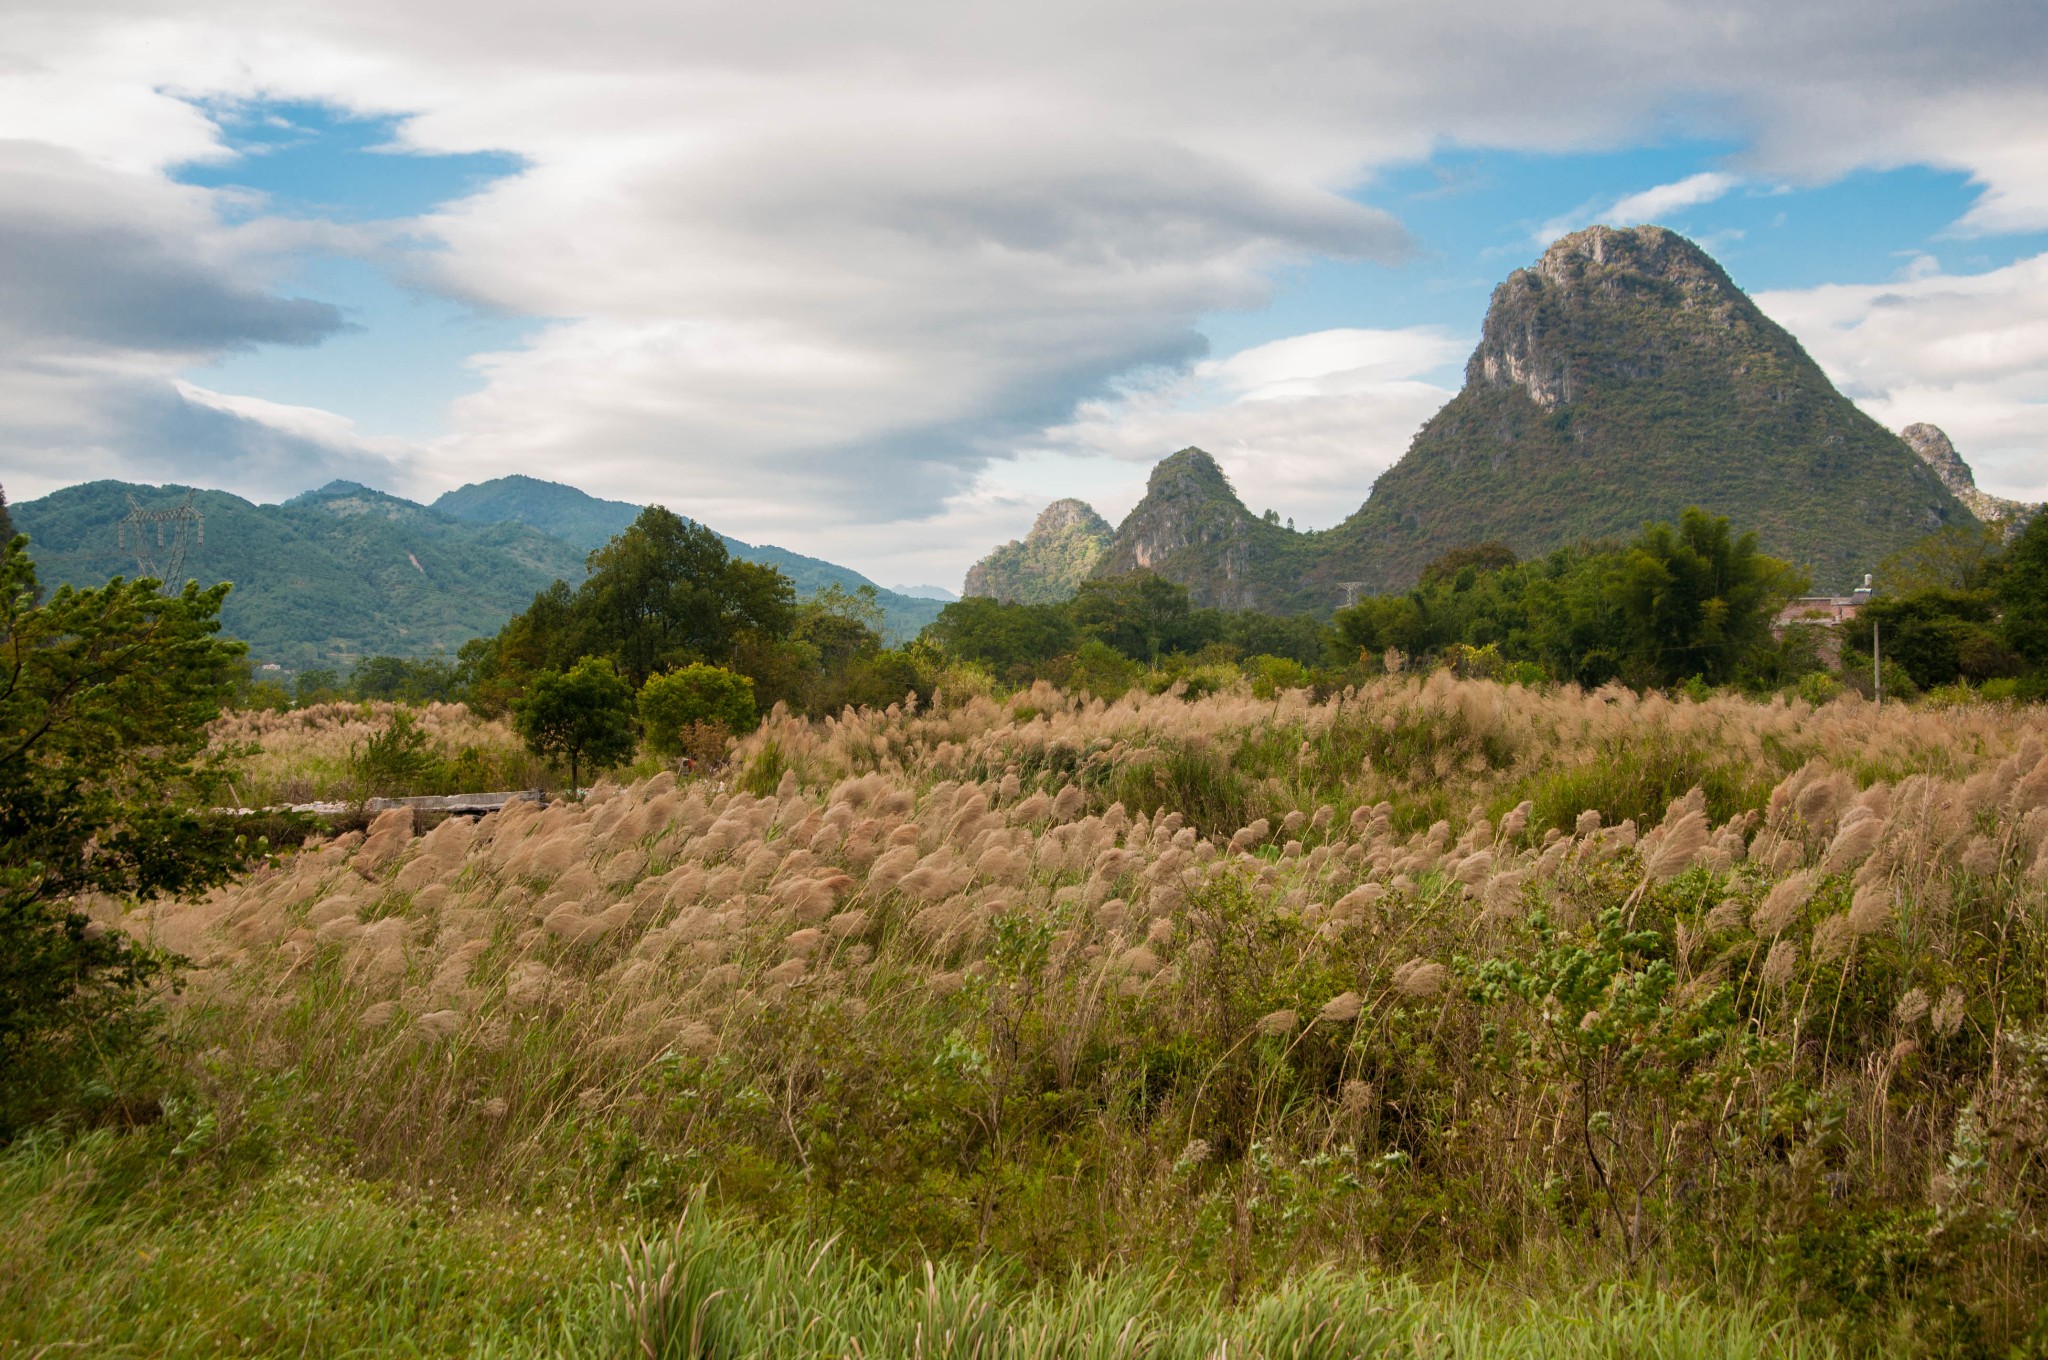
x=581 y=716
x=680 y=699
x=1818 y=688
x=1271 y=674
x=396 y=762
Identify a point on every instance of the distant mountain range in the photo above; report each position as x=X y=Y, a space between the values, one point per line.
x=1620 y=379
x=347 y=571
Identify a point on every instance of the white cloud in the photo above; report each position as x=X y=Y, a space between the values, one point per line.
x=1652 y=205
x=812 y=268
x=1967 y=352
x=1302 y=425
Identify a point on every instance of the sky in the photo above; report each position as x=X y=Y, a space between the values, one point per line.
x=876 y=283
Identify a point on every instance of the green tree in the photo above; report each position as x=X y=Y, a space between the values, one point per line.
x=1957 y=557
x=581 y=716
x=1936 y=636
x=400 y=680
x=843 y=625
x=1696 y=598
x=1141 y=614
x=667 y=591
x=318 y=686
x=105 y=696
x=663 y=593
x=1012 y=640
x=2023 y=591
x=673 y=701
x=1474 y=558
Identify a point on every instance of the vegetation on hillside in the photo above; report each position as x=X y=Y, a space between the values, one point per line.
x=322 y=580
x=1192 y=529
x=1665 y=386
x=1048 y=565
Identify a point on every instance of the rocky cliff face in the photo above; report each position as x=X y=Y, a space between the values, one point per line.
x=1192 y=528
x=1049 y=563
x=1940 y=455
x=1619 y=379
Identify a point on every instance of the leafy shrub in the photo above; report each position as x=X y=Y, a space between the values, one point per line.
x=680 y=699
x=1271 y=674
x=398 y=761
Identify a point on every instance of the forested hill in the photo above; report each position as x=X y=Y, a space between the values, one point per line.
x=329 y=576
x=589 y=522
x=346 y=571
x=1618 y=380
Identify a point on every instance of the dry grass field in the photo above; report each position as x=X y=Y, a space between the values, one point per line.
x=315 y=754
x=1435 y=1018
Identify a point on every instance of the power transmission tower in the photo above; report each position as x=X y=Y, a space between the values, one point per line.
x=187 y=530
x=1351 y=589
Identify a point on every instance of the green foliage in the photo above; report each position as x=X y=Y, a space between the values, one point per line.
x=396 y=761
x=1050 y=563
x=1957 y=557
x=677 y=700
x=1681 y=600
x=1936 y=636
x=1103 y=671
x=316 y=686
x=2023 y=591
x=401 y=680
x=1271 y=674
x=104 y=700
x=667 y=592
x=582 y=716
x=1142 y=617
x=1012 y=640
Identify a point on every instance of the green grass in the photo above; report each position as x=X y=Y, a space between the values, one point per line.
x=113 y=1247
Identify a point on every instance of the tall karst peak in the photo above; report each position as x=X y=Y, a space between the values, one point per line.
x=1048 y=564
x=1934 y=448
x=1619 y=379
x=1535 y=333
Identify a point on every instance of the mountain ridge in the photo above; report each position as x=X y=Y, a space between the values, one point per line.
x=345 y=570
x=1619 y=379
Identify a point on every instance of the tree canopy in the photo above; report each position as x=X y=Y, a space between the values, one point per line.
x=105 y=696
x=578 y=717
x=665 y=592
x=1680 y=600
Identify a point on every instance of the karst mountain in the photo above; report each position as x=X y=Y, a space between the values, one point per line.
x=1619 y=379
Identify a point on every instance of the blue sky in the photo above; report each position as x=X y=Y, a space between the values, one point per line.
x=877 y=284
x=403 y=355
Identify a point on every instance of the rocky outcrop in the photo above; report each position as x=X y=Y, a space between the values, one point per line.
x=1192 y=528
x=1622 y=378
x=1065 y=544
x=1938 y=453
